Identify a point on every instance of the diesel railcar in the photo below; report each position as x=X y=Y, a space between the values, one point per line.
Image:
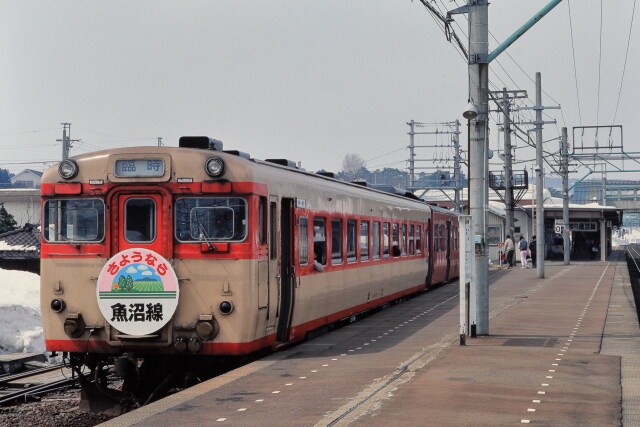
x=160 y=259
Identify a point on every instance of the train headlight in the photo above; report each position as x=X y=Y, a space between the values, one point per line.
x=57 y=305
x=225 y=307
x=68 y=169
x=74 y=325
x=214 y=167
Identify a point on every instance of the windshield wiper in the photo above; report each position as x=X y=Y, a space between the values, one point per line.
x=64 y=239
x=206 y=235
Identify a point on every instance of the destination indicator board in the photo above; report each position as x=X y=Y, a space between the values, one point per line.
x=139 y=168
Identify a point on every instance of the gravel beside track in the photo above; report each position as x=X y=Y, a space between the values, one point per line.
x=56 y=409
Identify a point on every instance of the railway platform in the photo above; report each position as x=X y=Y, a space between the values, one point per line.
x=562 y=351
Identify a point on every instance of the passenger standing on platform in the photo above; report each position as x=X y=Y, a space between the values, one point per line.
x=510 y=249
x=522 y=245
x=533 y=249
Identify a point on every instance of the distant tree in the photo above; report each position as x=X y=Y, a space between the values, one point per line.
x=352 y=166
x=7 y=222
x=5 y=176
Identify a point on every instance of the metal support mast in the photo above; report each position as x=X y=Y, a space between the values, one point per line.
x=66 y=140
x=508 y=193
x=457 y=173
x=479 y=95
x=564 y=158
x=540 y=242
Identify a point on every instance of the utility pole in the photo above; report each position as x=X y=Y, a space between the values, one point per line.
x=540 y=242
x=478 y=189
x=564 y=159
x=508 y=192
x=456 y=168
x=412 y=155
x=66 y=140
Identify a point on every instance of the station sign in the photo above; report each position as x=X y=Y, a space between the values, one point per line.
x=584 y=226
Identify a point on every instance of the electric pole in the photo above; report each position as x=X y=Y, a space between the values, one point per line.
x=564 y=162
x=66 y=140
x=508 y=192
x=478 y=189
x=539 y=181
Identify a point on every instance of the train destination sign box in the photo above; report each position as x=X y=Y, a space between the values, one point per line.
x=139 y=168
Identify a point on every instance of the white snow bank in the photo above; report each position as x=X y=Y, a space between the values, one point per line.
x=20 y=320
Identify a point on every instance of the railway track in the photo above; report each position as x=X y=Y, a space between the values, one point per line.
x=24 y=386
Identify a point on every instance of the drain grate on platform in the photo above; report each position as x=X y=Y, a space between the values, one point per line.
x=531 y=342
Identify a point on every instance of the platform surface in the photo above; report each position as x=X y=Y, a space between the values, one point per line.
x=561 y=351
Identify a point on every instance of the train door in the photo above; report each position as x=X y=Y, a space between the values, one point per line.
x=142 y=220
x=273 y=284
x=287 y=269
x=448 y=251
x=429 y=250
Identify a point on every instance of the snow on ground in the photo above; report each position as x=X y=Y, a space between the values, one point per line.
x=20 y=320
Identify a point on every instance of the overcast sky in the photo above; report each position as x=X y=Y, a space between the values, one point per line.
x=308 y=81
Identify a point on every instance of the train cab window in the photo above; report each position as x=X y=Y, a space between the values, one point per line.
x=140 y=220
x=200 y=219
x=385 y=239
x=73 y=220
x=303 y=241
x=418 y=240
x=364 y=240
x=375 y=243
x=396 y=240
x=403 y=240
x=412 y=240
x=351 y=240
x=336 y=241
x=320 y=240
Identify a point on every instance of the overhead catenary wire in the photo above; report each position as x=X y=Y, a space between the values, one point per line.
x=575 y=69
x=624 y=67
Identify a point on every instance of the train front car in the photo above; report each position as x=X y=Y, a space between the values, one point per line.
x=150 y=262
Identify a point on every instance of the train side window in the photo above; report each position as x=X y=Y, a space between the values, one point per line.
x=273 y=231
x=426 y=239
x=336 y=241
x=412 y=240
x=403 y=240
x=140 y=220
x=376 y=240
x=418 y=239
x=396 y=240
x=320 y=240
x=441 y=237
x=364 y=240
x=351 y=240
x=385 y=240
x=262 y=221
x=436 y=237
x=303 y=241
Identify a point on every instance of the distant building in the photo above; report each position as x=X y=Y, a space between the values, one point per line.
x=28 y=178
x=23 y=204
x=20 y=249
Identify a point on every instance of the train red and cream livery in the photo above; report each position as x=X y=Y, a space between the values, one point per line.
x=154 y=258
